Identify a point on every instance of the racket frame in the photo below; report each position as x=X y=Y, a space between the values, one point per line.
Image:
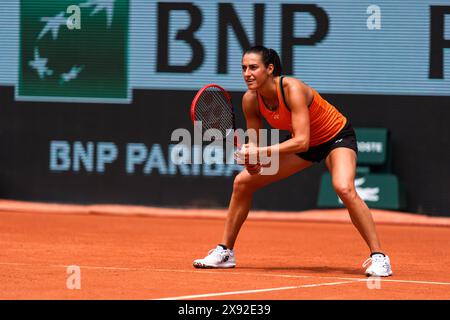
x=228 y=97
x=236 y=139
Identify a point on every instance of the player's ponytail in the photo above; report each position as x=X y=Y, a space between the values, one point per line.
x=269 y=56
x=274 y=59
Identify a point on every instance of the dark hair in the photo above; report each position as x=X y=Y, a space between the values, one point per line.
x=269 y=56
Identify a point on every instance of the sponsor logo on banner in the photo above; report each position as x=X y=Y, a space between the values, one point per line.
x=74 y=52
x=335 y=46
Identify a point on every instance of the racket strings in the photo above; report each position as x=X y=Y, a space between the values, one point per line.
x=215 y=111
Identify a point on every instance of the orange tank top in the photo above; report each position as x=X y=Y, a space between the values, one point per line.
x=325 y=120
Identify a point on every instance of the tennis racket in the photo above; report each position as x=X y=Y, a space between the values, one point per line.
x=213 y=107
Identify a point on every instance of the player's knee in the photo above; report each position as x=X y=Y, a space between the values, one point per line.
x=345 y=190
x=242 y=184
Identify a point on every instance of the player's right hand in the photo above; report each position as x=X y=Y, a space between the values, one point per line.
x=253 y=168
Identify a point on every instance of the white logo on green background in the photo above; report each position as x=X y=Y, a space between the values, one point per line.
x=87 y=64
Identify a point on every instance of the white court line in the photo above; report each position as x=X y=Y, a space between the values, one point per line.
x=304 y=276
x=65 y=266
x=217 y=272
x=254 y=291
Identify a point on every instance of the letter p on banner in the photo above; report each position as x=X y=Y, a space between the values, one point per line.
x=74 y=279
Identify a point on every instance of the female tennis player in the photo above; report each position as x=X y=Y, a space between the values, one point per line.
x=318 y=132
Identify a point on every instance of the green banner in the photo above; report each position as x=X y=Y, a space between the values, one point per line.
x=372 y=145
x=74 y=51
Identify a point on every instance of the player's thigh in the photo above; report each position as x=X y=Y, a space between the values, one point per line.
x=288 y=165
x=341 y=163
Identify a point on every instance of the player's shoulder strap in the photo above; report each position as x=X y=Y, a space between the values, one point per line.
x=284 y=97
x=282 y=93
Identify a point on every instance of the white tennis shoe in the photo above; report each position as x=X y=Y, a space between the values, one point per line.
x=217 y=258
x=380 y=266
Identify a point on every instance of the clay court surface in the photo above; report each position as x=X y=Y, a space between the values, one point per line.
x=145 y=253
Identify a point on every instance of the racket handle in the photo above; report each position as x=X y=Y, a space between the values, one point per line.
x=237 y=142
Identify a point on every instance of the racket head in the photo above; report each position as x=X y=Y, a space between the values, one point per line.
x=212 y=106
